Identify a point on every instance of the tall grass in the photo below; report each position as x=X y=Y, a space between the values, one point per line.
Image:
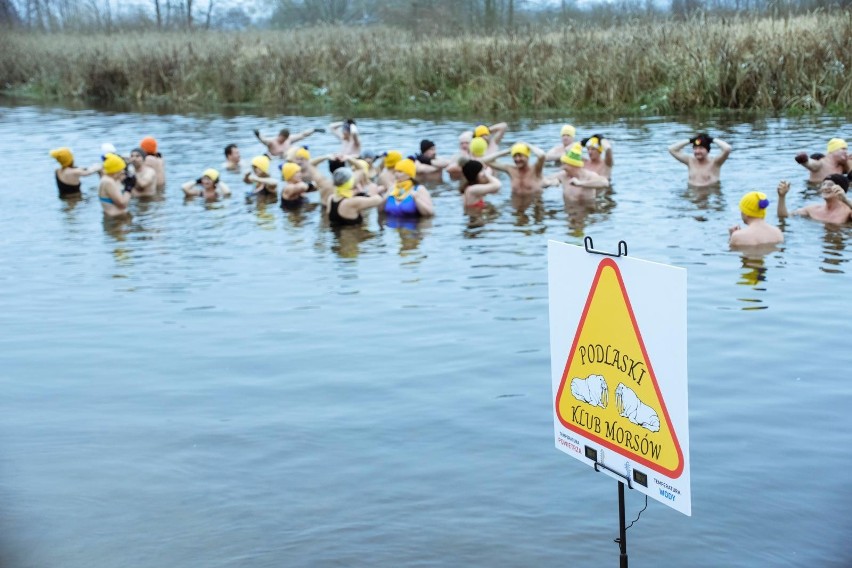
x=798 y=64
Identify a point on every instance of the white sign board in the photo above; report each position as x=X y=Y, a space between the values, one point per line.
x=618 y=365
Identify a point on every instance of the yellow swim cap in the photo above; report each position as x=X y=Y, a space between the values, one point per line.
x=406 y=166
x=392 y=159
x=574 y=156
x=520 y=148
x=262 y=163
x=594 y=142
x=481 y=131
x=362 y=164
x=212 y=174
x=754 y=204
x=289 y=169
x=113 y=164
x=478 y=147
x=836 y=144
x=568 y=130
x=302 y=152
x=63 y=156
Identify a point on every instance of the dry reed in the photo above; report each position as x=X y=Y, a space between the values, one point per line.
x=796 y=64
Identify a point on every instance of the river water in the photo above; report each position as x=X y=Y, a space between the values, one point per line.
x=225 y=384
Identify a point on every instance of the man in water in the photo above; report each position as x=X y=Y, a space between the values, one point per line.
x=427 y=161
x=578 y=183
x=454 y=169
x=232 y=159
x=600 y=155
x=835 y=210
x=492 y=134
x=277 y=147
x=145 y=176
x=155 y=160
x=704 y=169
x=757 y=231
x=820 y=166
x=525 y=179
x=555 y=154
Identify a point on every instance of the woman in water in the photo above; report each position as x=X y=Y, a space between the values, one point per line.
x=259 y=176
x=408 y=198
x=207 y=186
x=68 y=176
x=347 y=133
x=113 y=195
x=476 y=185
x=293 y=192
x=344 y=207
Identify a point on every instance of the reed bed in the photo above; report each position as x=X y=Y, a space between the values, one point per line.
x=802 y=63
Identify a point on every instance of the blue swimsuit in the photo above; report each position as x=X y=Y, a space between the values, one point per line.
x=405 y=208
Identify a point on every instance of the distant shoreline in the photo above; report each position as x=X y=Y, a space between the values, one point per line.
x=798 y=65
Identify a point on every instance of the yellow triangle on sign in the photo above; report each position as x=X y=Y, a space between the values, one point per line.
x=609 y=393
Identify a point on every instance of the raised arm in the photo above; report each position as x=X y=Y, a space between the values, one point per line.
x=224 y=187
x=783 y=188
x=555 y=153
x=607 y=152
x=726 y=151
x=336 y=129
x=490 y=160
x=807 y=162
x=190 y=188
x=676 y=150
x=498 y=131
x=301 y=135
x=478 y=190
x=540 y=154
x=264 y=141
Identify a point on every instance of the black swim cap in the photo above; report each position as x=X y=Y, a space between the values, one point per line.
x=425 y=145
x=471 y=171
x=840 y=180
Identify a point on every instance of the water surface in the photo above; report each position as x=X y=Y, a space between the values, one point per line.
x=225 y=384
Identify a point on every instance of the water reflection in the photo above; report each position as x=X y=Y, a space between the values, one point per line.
x=583 y=213
x=834 y=239
x=411 y=231
x=348 y=239
x=478 y=218
x=264 y=207
x=707 y=197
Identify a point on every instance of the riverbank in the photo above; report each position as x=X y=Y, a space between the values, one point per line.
x=794 y=65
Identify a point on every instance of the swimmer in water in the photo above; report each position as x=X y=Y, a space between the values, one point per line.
x=427 y=161
x=311 y=174
x=232 y=161
x=344 y=207
x=144 y=176
x=578 y=184
x=492 y=135
x=155 y=160
x=408 y=198
x=350 y=138
x=567 y=140
x=525 y=179
x=68 y=175
x=114 y=197
x=294 y=190
x=454 y=168
x=208 y=186
x=277 y=147
x=703 y=168
x=835 y=209
x=756 y=231
x=600 y=155
x=259 y=176
x=476 y=185
x=820 y=166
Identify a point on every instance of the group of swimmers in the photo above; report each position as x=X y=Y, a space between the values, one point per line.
x=358 y=180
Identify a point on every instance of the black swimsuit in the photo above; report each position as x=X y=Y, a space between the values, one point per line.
x=335 y=217
x=66 y=189
x=294 y=203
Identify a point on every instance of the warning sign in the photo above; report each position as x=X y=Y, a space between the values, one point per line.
x=613 y=391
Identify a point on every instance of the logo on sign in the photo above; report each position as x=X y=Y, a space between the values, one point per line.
x=608 y=392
